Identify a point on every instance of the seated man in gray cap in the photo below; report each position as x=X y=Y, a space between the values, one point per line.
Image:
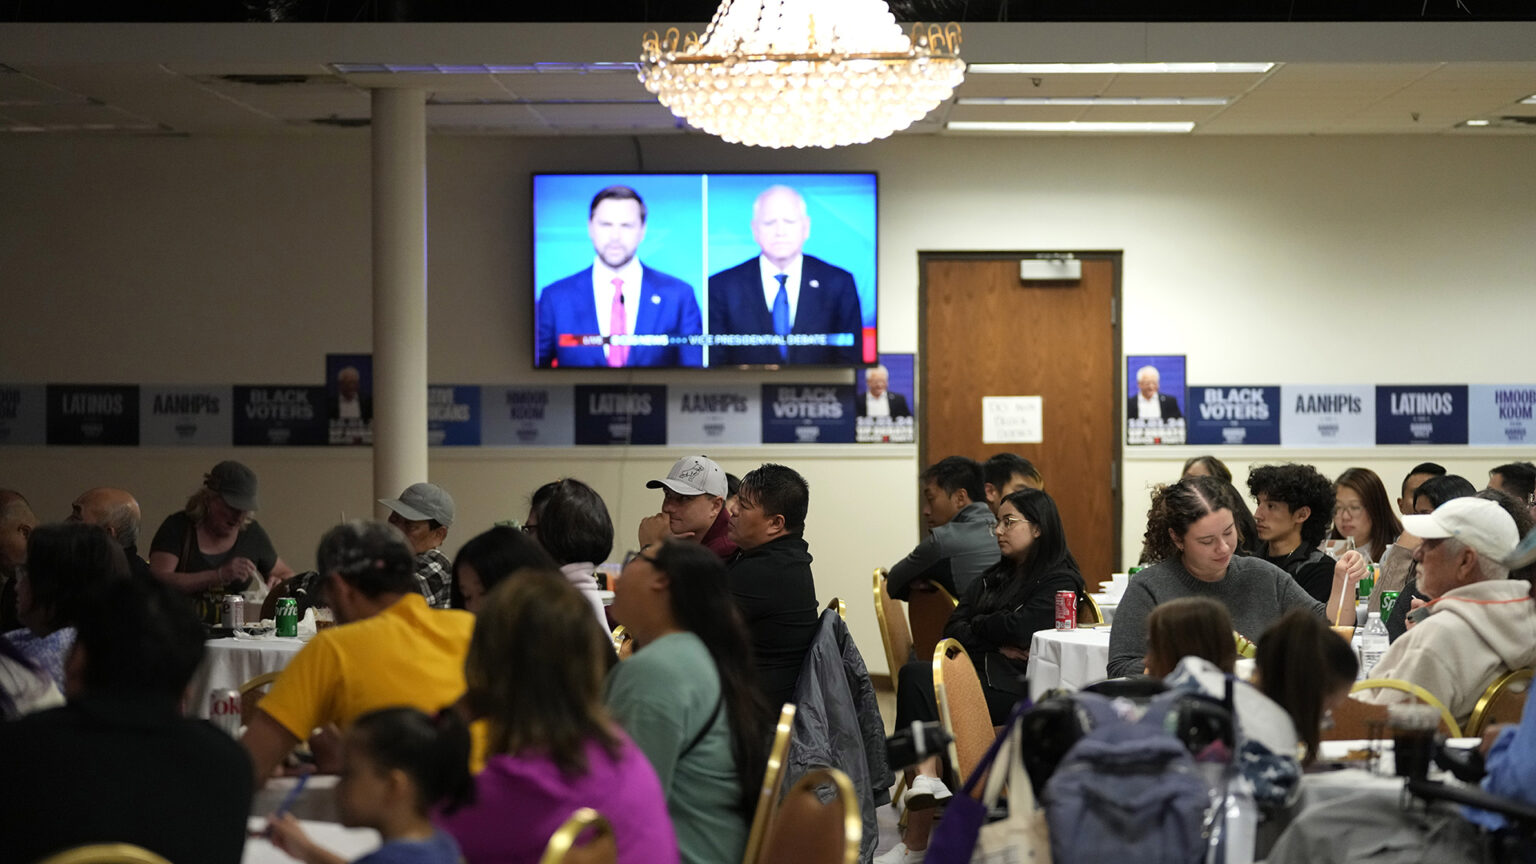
x=423 y=513
x=692 y=507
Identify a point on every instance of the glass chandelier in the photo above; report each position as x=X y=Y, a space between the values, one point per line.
x=802 y=73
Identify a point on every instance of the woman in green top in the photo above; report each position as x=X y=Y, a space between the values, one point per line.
x=689 y=697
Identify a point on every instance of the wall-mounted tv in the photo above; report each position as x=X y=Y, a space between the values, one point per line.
x=704 y=270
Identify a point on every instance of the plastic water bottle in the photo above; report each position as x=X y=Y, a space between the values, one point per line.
x=1242 y=828
x=1373 y=643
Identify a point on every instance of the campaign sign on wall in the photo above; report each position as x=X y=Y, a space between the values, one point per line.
x=1498 y=414
x=95 y=414
x=527 y=417
x=897 y=426
x=1328 y=415
x=808 y=414
x=1155 y=399
x=453 y=416
x=1233 y=415
x=713 y=415
x=188 y=416
x=23 y=415
x=279 y=415
x=349 y=398
x=1421 y=414
x=621 y=414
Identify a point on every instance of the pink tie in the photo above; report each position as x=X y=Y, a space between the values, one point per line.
x=618 y=355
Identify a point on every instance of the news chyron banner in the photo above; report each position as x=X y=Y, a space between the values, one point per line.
x=1500 y=415
x=186 y=416
x=280 y=415
x=527 y=416
x=1328 y=415
x=23 y=414
x=884 y=403
x=808 y=414
x=453 y=416
x=93 y=414
x=1233 y=415
x=1421 y=414
x=621 y=414
x=714 y=415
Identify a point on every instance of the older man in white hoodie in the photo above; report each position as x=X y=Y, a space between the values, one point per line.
x=1480 y=623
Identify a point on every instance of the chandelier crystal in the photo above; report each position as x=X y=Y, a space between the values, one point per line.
x=803 y=73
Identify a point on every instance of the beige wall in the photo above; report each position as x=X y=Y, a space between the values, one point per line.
x=245 y=260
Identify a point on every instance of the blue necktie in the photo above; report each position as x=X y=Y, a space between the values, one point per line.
x=781 y=313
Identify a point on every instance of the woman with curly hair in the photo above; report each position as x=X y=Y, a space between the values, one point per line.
x=1192 y=526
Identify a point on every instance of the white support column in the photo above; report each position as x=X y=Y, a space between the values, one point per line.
x=399 y=291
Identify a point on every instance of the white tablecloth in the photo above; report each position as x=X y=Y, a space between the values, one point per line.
x=1067 y=658
x=317 y=800
x=349 y=843
x=228 y=663
x=1107 y=606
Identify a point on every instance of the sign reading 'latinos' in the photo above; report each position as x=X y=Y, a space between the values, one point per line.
x=1422 y=414
x=622 y=414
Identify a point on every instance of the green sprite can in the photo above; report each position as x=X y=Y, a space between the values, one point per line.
x=1367 y=582
x=287 y=616
x=1388 y=603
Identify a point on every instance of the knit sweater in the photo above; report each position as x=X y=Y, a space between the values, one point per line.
x=1255 y=592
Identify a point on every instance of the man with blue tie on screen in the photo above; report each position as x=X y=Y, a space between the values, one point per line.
x=784 y=292
x=616 y=297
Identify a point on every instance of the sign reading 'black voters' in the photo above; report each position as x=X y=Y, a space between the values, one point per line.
x=808 y=414
x=1234 y=415
x=280 y=415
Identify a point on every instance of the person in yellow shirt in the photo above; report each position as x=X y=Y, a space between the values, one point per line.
x=389 y=647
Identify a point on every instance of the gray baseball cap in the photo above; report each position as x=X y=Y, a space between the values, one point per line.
x=693 y=475
x=234 y=482
x=423 y=501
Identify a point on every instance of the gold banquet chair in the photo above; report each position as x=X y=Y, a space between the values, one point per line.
x=1089 y=614
x=895 y=636
x=841 y=607
x=962 y=709
x=1502 y=702
x=251 y=693
x=1447 y=721
x=106 y=853
x=928 y=610
x=585 y=838
x=808 y=830
x=773 y=777
x=623 y=643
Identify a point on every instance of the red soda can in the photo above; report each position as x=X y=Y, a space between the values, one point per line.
x=224 y=711
x=1066 y=610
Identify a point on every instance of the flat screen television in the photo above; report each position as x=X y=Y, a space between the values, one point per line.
x=704 y=270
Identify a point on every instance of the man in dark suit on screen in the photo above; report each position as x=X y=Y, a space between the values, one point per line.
x=879 y=400
x=785 y=293
x=1148 y=403
x=589 y=317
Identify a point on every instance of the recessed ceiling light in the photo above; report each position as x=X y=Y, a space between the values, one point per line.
x=1091 y=101
x=1120 y=68
x=1069 y=126
x=1479 y=122
x=1529 y=100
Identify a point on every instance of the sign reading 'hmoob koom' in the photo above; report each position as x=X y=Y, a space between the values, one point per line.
x=1501 y=415
x=1421 y=414
x=1328 y=415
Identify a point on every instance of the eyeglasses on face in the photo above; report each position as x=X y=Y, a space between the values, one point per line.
x=1007 y=522
x=1348 y=509
x=631 y=556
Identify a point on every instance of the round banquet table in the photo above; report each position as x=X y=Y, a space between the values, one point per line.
x=1067 y=658
x=349 y=843
x=228 y=663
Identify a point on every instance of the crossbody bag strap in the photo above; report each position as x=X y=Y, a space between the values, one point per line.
x=708 y=725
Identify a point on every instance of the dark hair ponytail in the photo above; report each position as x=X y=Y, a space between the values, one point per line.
x=432 y=751
x=1300 y=662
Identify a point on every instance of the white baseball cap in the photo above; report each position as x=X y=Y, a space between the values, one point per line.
x=1480 y=524
x=693 y=475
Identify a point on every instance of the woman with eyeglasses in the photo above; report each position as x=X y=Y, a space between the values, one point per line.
x=688 y=697
x=1363 y=512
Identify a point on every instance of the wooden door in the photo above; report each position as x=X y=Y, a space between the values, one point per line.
x=986 y=332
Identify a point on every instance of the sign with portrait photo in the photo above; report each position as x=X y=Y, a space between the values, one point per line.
x=1155 y=401
x=349 y=398
x=883 y=405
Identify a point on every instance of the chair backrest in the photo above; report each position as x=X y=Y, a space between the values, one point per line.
x=251 y=693
x=1502 y=702
x=1089 y=614
x=1447 y=721
x=810 y=830
x=928 y=609
x=585 y=838
x=623 y=643
x=841 y=607
x=105 y=853
x=895 y=636
x=962 y=708
x=1356 y=720
x=768 y=796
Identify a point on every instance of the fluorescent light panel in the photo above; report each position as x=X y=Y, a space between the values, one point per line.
x=1068 y=126
x=1094 y=101
x=1119 y=68
x=1479 y=122
x=478 y=69
x=1529 y=100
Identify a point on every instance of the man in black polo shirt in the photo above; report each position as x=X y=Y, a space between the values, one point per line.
x=119 y=764
x=1294 y=508
x=770 y=578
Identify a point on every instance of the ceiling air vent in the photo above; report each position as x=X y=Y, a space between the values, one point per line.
x=266 y=80
x=342 y=122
